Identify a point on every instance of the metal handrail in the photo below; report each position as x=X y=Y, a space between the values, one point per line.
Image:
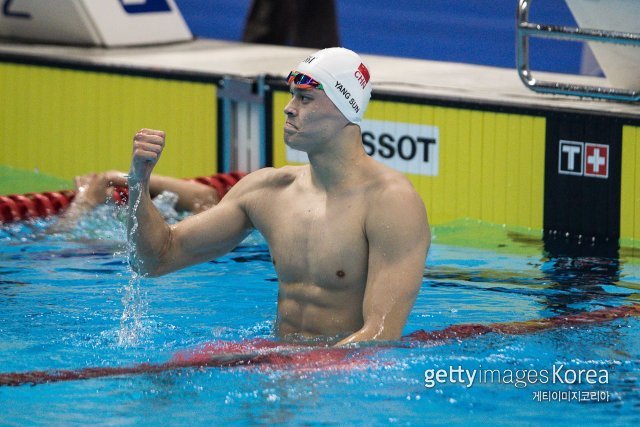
x=526 y=29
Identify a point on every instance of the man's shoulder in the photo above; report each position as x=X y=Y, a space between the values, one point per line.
x=389 y=181
x=276 y=176
x=392 y=192
x=394 y=204
x=269 y=177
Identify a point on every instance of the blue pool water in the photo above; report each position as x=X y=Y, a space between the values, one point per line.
x=69 y=302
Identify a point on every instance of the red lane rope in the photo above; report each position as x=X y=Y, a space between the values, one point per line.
x=280 y=355
x=8 y=208
x=18 y=207
x=470 y=330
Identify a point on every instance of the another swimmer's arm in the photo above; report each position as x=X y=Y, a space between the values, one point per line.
x=192 y=196
x=399 y=237
x=91 y=191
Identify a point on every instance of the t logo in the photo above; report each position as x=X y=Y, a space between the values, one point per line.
x=570 y=158
x=145 y=6
x=583 y=159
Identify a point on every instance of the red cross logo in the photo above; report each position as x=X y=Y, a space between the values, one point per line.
x=596 y=160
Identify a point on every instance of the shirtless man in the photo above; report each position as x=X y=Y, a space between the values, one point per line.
x=348 y=236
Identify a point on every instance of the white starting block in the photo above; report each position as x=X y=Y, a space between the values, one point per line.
x=108 y=23
x=621 y=64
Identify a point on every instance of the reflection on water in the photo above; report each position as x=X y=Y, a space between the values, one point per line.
x=563 y=278
x=580 y=280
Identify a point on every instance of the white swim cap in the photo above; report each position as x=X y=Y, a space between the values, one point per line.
x=344 y=78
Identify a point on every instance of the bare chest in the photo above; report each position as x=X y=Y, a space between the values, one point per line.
x=317 y=239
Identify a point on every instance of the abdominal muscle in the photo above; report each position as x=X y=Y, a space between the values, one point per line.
x=307 y=311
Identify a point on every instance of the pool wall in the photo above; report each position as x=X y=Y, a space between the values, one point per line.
x=630 y=188
x=506 y=190
x=66 y=120
x=511 y=166
x=474 y=141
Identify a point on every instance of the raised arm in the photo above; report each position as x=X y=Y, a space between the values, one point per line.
x=399 y=238
x=158 y=248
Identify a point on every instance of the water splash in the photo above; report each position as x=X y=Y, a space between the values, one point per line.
x=166 y=202
x=131 y=246
x=133 y=329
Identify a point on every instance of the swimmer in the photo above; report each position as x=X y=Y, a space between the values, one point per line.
x=348 y=236
x=95 y=189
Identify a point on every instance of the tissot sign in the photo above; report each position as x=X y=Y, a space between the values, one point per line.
x=405 y=147
x=583 y=159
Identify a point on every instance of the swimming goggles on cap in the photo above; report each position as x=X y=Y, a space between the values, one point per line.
x=304 y=81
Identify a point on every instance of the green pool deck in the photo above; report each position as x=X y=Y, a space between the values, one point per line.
x=18 y=181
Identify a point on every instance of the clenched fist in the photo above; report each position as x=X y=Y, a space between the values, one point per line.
x=147 y=147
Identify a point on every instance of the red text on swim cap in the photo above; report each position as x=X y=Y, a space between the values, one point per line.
x=362 y=74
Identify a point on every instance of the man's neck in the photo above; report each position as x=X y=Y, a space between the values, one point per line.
x=336 y=167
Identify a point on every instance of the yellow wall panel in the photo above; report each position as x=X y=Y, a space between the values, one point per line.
x=502 y=165
x=630 y=186
x=443 y=190
x=491 y=165
x=68 y=122
x=474 y=176
x=514 y=180
x=487 y=190
x=538 y=134
x=280 y=99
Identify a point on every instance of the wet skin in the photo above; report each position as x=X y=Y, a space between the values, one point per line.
x=348 y=236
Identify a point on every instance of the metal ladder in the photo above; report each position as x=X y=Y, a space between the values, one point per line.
x=243 y=115
x=526 y=29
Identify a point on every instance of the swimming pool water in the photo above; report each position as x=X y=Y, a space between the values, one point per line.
x=63 y=299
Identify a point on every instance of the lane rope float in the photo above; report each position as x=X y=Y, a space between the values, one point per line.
x=20 y=207
x=275 y=355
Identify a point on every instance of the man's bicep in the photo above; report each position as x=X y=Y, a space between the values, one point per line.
x=216 y=231
x=392 y=288
x=398 y=242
